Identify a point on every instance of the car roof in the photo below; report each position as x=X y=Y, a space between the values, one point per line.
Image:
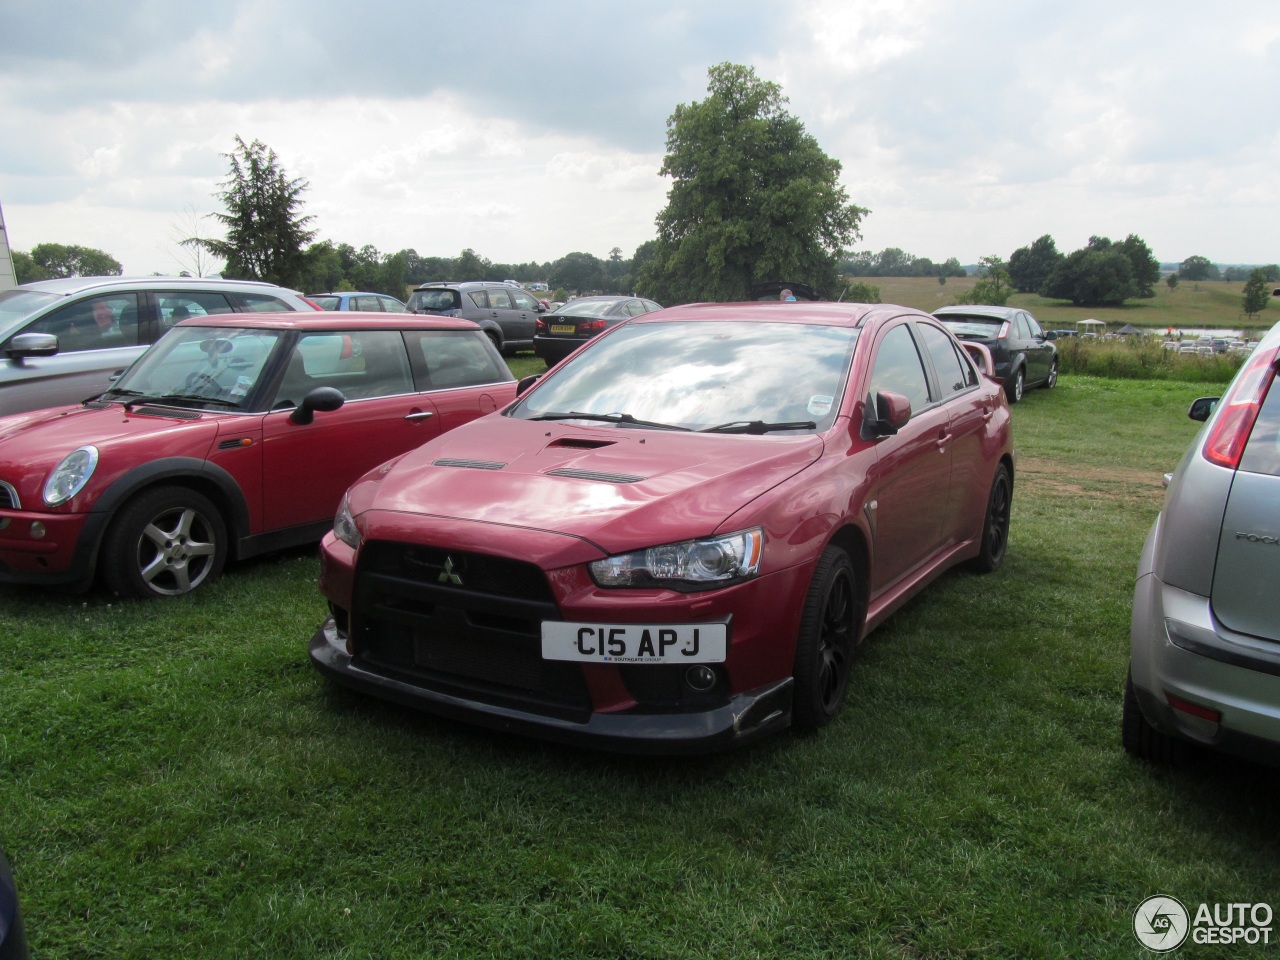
x=801 y=311
x=330 y=320
x=458 y=284
x=977 y=310
x=67 y=286
x=351 y=293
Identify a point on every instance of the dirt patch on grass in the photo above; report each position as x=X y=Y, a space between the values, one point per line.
x=1047 y=477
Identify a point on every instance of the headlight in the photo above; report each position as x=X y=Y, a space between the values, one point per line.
x=344 y=525
x=70 y=476
x=690 y=565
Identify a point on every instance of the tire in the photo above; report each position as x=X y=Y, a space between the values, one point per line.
x=829 y=628
x=1017 y=386
x=995 y=525
x=1053 y=376
x=164 y=543
x=496 y=340
x=1138 y=737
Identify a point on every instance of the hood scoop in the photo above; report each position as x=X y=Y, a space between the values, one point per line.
x=580 y=443
x=468 y=464
x=164 y=412
x=597 y=475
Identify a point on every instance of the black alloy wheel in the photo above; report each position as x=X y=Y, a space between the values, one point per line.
x=995 y=526
x=829 y=627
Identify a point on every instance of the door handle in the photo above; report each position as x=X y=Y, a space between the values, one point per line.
x=421 y=415
x=943 y=441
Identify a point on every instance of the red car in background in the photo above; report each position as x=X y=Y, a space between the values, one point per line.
x=231 y=436
x=676 y=539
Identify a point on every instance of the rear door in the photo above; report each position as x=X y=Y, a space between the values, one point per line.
x=1248 y=568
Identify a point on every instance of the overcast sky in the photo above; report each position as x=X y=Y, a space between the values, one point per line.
x=531 y=128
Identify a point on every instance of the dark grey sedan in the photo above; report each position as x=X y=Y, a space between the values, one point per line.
x=565 y=329
x=1205 y=637
x=1022 y=354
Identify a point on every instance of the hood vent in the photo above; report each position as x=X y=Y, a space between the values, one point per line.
x=163 y=412
x=594 y=475
x=582 y=443
x=469 y=464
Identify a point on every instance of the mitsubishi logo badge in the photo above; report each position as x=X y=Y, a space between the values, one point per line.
x=447 y=575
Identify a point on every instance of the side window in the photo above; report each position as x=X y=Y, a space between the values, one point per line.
x=95 y=323
x=1024 y=331
x=1033 y=326
x=454 y=358
x=951 y=376
x=260 y=303
x=370 y=303
x=362 y=364
x=634 y=308
x=391 y=306
x=523 y=300
x=500 y=300
x=179 y=306
x=898 y=368
x=480 y=298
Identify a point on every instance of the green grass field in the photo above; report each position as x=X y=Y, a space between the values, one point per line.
x=176 y=781
x=1203 y=305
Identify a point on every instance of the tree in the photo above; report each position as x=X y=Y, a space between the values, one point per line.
x=1091 y=277
x=863 y=293
x=1146 y=268
x=1171 y=280
x=753 y=197
x=993 y=286
x=1197 y=268
x=1256 y=294
x=25 y=270
x=62 y=260
x=577 y=271
x=266 y=233
x=1030 y=267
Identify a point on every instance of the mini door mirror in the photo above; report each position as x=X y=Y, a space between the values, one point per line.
x=323 y=399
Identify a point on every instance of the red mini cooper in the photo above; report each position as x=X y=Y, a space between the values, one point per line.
x=675 y=540
x=232 y=435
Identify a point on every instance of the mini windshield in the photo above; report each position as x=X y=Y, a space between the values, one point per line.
x=211 y=367
x=731 y=376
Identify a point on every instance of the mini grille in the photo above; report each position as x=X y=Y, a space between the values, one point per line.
x=469 y=464
x=594 y=475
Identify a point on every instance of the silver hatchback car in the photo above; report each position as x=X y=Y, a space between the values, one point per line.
x=61 y=341
x=1205 y=636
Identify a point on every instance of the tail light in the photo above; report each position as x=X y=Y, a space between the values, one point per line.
x=540 y=326
x=1004 y=330
x=590 y=326
x=1239 y=410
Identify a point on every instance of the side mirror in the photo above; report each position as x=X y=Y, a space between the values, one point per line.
x=31 y=345
x=323 y=399
x=885 y=415
x=1201 y=407
x=524 y=383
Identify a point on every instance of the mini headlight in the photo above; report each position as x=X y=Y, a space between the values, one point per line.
x=344 y=525
x=70 y=476
x=689 y=565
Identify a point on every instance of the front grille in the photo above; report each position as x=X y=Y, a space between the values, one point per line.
x=464 y=624
x=9 y=497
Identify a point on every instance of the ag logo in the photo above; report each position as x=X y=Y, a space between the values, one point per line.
x=1160 y=923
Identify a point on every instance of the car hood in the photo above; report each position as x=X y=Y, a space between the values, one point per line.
x=617 y=488
x=32 y=443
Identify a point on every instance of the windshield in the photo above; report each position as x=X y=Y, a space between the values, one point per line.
x=16 y=305
x=699 y=375
x=216 y=368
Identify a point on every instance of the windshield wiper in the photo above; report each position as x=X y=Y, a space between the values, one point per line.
x=179 y=398
x=624 y=418
x=758 y=426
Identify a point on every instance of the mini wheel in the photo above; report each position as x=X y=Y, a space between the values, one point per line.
x=164 y=543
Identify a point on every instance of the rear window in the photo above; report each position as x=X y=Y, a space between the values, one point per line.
x=433 y=301
x=972 y=326
x=1262 y=454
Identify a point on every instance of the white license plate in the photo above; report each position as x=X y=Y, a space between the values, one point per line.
x=634 y=642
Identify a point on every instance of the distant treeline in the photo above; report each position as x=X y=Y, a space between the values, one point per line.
x=893 y=262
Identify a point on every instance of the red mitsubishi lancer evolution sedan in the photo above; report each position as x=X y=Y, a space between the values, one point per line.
x=674 y=541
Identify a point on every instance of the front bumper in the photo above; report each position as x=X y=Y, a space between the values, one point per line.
x=746 y=717
x=49 y=549
x=1179 y=649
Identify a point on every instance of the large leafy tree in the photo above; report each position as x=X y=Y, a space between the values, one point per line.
x=1198 y=268
x=1030 y=267
x=266 y=233
x=1104 y=273
x=51 y=260
x=753 y=197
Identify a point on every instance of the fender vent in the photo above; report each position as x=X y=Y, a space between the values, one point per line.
x=594 y=475
x=469 y=464
x=171 y=414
